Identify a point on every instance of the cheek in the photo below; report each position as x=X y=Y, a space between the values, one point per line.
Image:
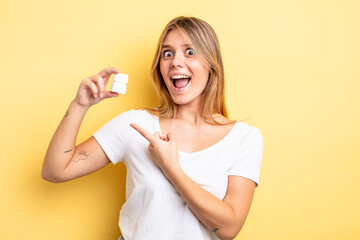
x=201 y=69
x=203 y=76
x=164 y=66
x=164 y=72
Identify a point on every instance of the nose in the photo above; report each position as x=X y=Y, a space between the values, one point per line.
x=177 y=61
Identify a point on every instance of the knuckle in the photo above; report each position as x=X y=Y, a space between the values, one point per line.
x=96 y=78
x=85 y=81
x=91 y=79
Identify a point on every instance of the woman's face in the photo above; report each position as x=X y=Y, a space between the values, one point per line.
x=183 y=71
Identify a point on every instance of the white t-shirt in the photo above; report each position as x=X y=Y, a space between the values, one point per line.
x=153 y=208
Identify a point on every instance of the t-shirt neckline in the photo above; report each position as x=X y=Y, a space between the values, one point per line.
x=158 y=127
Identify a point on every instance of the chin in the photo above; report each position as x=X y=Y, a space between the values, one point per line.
x=180 y=100
x=183 y=100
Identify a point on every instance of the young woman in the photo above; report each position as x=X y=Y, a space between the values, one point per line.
x=191 y=172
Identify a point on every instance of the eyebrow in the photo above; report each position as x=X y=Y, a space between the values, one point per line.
x=169 y=46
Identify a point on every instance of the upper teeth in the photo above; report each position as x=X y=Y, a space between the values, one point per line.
x=179 y=76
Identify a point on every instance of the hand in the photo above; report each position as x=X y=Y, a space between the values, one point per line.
x=92 y=89
x=163 y=148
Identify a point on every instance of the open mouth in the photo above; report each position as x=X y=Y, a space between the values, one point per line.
x=180 y=81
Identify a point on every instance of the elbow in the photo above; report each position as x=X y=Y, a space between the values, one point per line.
x=50 y=179
x=229 y=233
x=53 y=178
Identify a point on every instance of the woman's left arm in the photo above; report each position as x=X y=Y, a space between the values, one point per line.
x=223 y=217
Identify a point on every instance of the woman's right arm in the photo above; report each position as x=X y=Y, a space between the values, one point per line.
x=65 y=161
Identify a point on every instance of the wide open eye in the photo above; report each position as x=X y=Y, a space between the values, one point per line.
x=167 y=54
x=190 y=52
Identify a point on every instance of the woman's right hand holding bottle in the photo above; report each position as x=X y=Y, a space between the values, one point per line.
x=92 y=89
x=62 y=151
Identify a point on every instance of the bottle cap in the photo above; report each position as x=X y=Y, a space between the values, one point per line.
x=120 y=77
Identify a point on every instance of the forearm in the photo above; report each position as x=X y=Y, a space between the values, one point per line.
x=215 y=214
x=62 y=146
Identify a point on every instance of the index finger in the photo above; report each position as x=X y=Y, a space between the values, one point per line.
x=145 y=133
x=109 y=71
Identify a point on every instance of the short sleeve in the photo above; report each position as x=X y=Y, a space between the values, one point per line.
x=112 y=137
x=249 y=157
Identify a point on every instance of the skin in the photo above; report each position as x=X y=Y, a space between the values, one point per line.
x=178 y=58
x=62 y=160
x=187 y=131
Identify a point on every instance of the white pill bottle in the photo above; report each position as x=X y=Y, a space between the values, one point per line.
x=119 y=84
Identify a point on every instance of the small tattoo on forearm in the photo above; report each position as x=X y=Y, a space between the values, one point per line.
x=83 y=156
x=67 y=113
x=68 y=151
x=215 y=230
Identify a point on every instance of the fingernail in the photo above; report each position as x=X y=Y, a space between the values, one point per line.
x=101 y=95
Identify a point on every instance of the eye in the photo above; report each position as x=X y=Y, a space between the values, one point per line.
x=167 y=54
x=190 y=52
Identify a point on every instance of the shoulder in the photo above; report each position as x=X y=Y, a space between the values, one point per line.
x=143 y=118
x=238 y=126
x=220 y=119
x=246 y=127
x=247 y=132
x=135 y=114
x=141 y=114
x=130 y=116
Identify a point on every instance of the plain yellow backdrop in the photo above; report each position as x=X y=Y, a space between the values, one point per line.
x=292 y=69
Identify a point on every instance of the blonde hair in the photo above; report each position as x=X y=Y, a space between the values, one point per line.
x=202 y=38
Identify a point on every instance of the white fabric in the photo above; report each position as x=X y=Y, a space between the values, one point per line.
x=153 y=209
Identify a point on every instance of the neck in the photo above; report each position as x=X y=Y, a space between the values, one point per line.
x=190 y=113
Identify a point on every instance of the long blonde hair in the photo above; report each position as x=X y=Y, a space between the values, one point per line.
x=202 y=38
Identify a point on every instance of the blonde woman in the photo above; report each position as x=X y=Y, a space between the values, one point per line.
x=191 y=172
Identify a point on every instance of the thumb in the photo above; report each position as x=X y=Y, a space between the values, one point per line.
x=109 y=94
x=171 y=137
x=163 y=137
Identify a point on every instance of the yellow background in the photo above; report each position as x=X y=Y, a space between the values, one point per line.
x=292 y=68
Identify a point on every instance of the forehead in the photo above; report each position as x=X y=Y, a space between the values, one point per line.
x=175 y=37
